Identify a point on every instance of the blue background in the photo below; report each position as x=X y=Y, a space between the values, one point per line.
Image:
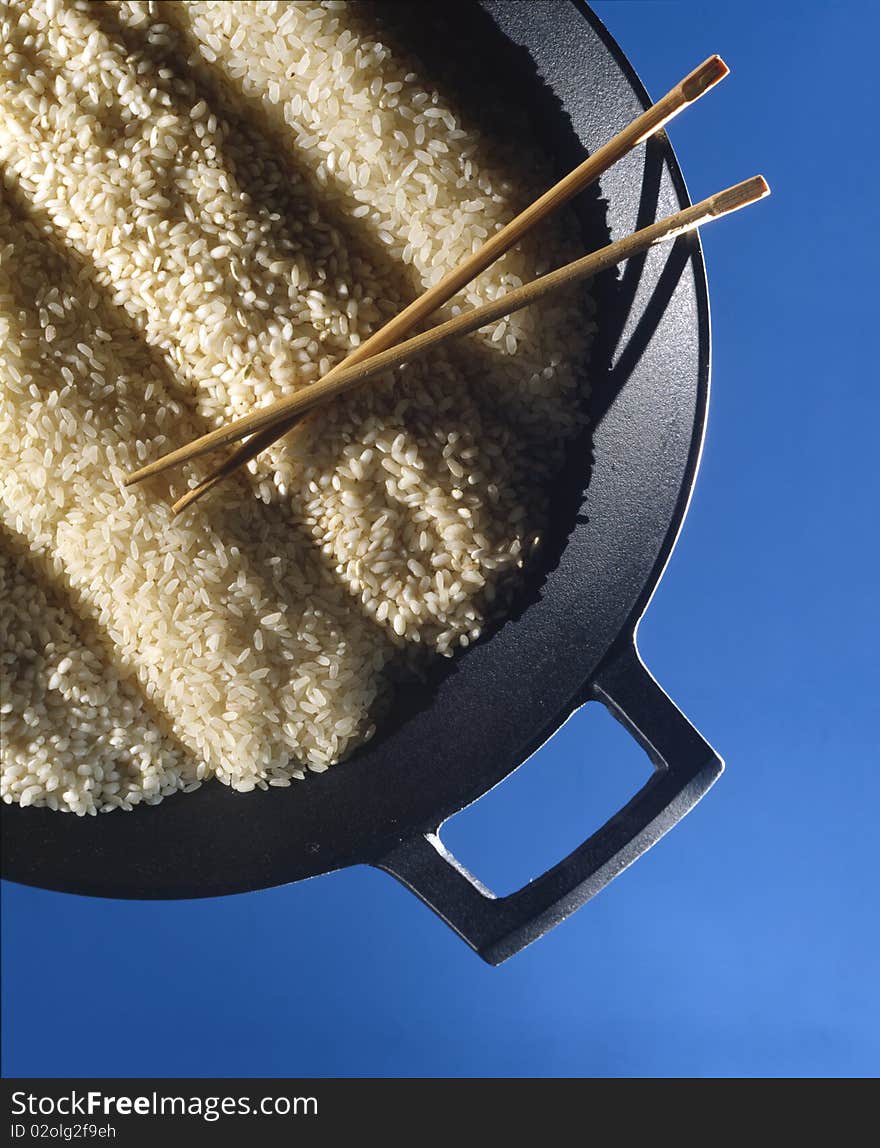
x=745 y=943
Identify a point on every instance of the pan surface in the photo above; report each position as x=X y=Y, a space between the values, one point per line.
x=619 y=509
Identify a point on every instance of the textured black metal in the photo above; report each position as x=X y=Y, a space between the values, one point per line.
x=619 y=508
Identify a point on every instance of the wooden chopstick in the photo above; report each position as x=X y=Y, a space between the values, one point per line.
x=335 y=384
x=694 y=85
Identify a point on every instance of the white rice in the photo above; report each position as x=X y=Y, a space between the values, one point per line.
x=204 y=207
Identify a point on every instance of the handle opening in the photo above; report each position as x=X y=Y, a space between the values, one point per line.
x=538 y=814
x=686 y=766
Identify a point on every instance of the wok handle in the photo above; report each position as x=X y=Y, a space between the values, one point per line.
x=685 y=766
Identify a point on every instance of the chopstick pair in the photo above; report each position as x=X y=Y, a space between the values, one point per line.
x=384 y=349
x=344 y=378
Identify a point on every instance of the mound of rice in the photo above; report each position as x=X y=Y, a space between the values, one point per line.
x=205 y=206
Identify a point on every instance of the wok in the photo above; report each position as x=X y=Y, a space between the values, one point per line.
x=618 y=509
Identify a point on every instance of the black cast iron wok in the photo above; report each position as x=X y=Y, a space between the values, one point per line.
x=620 y=506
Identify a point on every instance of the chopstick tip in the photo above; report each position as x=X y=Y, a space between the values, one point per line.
x=135 y=476
x=177 y=508
x=193 y=495
x=716 y=62
x=740 y=195
x=706 y=76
